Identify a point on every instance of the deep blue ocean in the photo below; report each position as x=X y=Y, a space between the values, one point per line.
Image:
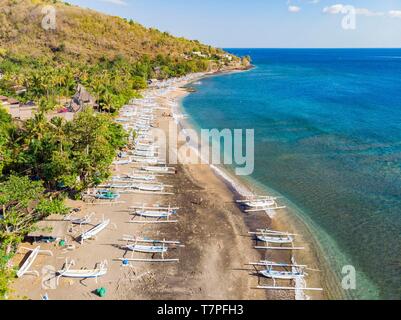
x=328 y=138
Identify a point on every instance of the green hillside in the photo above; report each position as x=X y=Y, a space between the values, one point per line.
x=110 y=56
x=83 y=34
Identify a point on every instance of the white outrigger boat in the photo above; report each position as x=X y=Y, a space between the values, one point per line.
x=270 y=272
x=122 y=162
x=275 y=237
x=145 y=153
x=283 y=271
x=266 y=235
x=143 y=177
x=130 y=177
x=144 y=136
x=150 y=187
x=81 y=221
x=158 y=213
x=94 y=231
x=142 y=128
x=260 y=203
x=140 y=186
x=30 y=260
x=143 y=245
x=147 y=160
x=145 y=143
x=67 y=272
x=146 y=149
x=158 y=169
x=128 y=185
x=154 y=207
x=146 y=249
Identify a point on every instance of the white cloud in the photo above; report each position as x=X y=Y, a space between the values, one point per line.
x=340 y=8
x=395 y=13
x=117 y=2
x=294 y=9
x=367 y=12
x=334 y=9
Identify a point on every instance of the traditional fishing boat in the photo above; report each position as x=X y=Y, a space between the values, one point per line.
x=147 y=147
x=106 y=195
x=146 y=249
x=147 y=160
x=146 y=177
x=160 y=214
x=81 y=221
x=30 y=260
x=278 y=239
x=157 y=169
x=149 y=187
x=260 y=203
x=95 y=230
x=67 y=272
x=284 y=271
x=122 y=162
x=281 y=274
x=144 y=153
x=273 y=236
x=130 y=177
x=139 y=245
x=154 y=207
x=117 y=185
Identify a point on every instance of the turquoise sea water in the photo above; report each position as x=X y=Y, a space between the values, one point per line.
x=327 y=137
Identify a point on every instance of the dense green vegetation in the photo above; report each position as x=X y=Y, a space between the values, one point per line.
x=42 y=162
x=84 y=35
x=73 y=154
x=113 y=82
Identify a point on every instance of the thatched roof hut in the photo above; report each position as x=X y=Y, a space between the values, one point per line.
x=81 y=99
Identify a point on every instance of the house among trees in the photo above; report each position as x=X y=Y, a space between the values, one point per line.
x=82 y=99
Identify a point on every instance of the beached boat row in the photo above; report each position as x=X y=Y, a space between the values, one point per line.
x=292 y=274
x=144 y=156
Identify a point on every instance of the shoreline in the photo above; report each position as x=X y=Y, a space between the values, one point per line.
x=240 y=187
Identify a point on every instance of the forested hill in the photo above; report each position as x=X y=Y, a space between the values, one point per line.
x=83 y=34
x=48 y=47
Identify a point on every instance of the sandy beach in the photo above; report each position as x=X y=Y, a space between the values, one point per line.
x=214 y=230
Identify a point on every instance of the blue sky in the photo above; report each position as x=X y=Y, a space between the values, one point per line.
x=265 y=23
